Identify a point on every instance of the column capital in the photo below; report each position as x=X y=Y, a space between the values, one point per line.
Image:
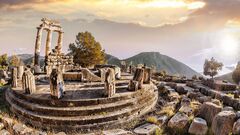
x=39 y=28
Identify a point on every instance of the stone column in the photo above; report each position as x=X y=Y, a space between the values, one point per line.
x=37 y=46
x=147 y=75
x=56 y=84
x=59 y=45
x=14 y=77
x=20 y=71
x=28 y=82
x=110 y=88
x=137 y=81
x=48 y=43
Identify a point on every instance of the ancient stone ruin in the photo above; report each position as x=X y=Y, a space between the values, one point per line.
x=62 y=96
x=108 y=100
x=53 y=58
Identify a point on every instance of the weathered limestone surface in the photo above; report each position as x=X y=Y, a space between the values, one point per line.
x=20 y=71
x=236 y=127
x=89 y=76
x=146 y=129
x=49 y=26
x=21 y=129
x=198 y=127
x=228 y=108
x=60 y=133
x=137 y=81
x=178 y=121
x=37 y=46
x=14 y=77
x=56 y=84
x=162 y=119
x=208 y=111
x=3 y=74
x=147 y=75
x=8 y=123
x=73 y=76
x=116 y=132
x=110 y=82
x=28 y=82
x=4 y=132
x=223 y=123
x=117 y=72
x=1 y=126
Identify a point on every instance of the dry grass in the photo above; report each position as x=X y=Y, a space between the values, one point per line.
x=153 y=120
x=190 y=118
x=230 y=95
x=217 y=102
x=195 y=106
x=168 y=110
x=159 y=131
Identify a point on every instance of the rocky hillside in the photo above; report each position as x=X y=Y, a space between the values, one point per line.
x=162 y=62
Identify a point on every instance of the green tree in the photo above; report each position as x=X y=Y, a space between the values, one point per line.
x=15 y=61
x=236 y=74
x=3 y=61
x=87 y=51
x=211 y=67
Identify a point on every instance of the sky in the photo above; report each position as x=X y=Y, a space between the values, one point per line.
x=187 y=30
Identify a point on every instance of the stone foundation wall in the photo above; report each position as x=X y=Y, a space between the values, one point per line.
x=72 y=76
x=220 y=86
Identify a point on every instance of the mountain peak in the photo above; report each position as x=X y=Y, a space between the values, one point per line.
x=161 y=62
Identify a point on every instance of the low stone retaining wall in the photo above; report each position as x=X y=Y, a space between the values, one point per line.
x=219 y=85
x=72 y=76
x=227 y=100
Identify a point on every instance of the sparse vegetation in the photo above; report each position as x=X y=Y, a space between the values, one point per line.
x=153 y=120
x=15 y=61
x=236 y=74
x=211 y=67
x=159 y=131
x=195 y=106
x=168 y=110
x=230 y=95
x=3 y=61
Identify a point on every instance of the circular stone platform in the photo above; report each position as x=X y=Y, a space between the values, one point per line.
x=83 y=107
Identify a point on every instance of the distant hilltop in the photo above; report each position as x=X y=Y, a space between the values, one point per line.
x=161 y=62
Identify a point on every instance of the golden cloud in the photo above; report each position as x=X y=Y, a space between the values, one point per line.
x=233 y=22
x=144 y=12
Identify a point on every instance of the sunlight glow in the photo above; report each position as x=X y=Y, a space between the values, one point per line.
x=229 y=46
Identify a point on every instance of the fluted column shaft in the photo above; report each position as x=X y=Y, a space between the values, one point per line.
x=59 y=45
x=37 y=46
x=48 y=43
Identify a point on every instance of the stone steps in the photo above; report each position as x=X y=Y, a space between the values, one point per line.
x=74 y=110
x=72 y=114
x=81 y=122
x=76 y=102
x=122 y=123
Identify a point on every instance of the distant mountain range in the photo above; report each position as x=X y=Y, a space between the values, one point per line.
x=28 y=58
x=161 y=62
